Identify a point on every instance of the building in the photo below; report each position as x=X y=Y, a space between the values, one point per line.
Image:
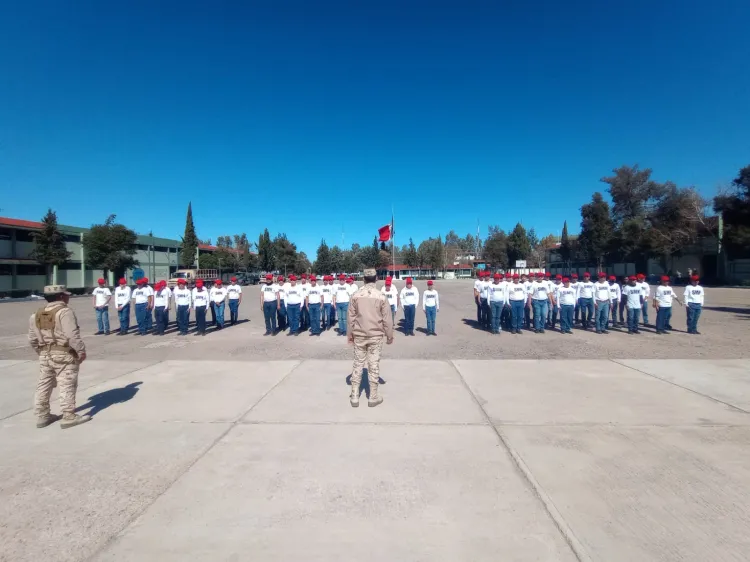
x=158 y=257
x=401 y=271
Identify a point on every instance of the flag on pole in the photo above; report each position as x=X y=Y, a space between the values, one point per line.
x=385 y=233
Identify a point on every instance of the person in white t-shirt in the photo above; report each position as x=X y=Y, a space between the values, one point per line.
x=505 y=317
x=409 y=300
x=234 y=294
x=341 y=301
x=484 y=288
x=517 y=296
x=554 y=288
x=646 y=292
x=150 y=307
x=430 y=307
x=577 y=312
x=498 y=298
x=183 y=300
x=101 y=297
x=269 y=304
x=633 y=295
x=694 y=295
x=477 y=292
x=161 y=304
x=295 y=296
x=304 y=313
x=586 y=300
x=391 y=294
x=551 y=307
x=566 y=300
x=143 y=297
x=122 y=304
x=314 y=304
x=326 y=316
x=351 y=286
x=663 y=304
x=526 y=280
x=201 y=300
x=602 y=303
x=615 y=295
x=218 y=295
x=281 y=311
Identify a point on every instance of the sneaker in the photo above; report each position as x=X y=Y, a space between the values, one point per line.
x=44 y=421
x=98 y=333
x=267 y=334
x=67 y=423
x=106 y=333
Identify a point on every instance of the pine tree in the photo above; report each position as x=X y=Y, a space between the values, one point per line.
x=189 y=240
x=49 y=244
x=565 y=249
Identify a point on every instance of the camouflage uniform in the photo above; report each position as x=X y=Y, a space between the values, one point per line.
x=369 y=321
x=55 y=336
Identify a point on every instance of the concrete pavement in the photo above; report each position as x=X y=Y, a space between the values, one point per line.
x=465 y=460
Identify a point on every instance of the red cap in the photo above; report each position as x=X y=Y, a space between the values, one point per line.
x=665 y=277
x=350 y=280
x=217 y=282
x=123 y=281
x=601 y=274
x=342 y=276
x=515 y=276
x=409 y=280
x=429 y=282
x=100 y=281
x=540 y=275
x=548 y=274
x=388 y=280
x=508 y=275
x=313 y=278
x=640 y=276
x=145 y=279
x=574 y=276
x=233 y=280
x=292 y=277
x=612 y=278
x=280 y=278
x=304 y=276
x=566 y=280
x=180 y=281
x=558 y=276
x=694 y=278
x=632 y=278
x=199 y=282
x=269 y=276
x=497 y=276
x=587 y=274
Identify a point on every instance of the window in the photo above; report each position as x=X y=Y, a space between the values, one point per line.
x=31 y=270
x=6 y=269
x=72 y=237
x=143 y=247
x=161 y=249
x=70 y=266
x=5 y=234
x=24 y=236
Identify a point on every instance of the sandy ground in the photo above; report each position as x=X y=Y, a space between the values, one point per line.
x=725 y=328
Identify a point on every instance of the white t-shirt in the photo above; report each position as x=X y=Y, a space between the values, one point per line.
x=484 y=290
x=633 y=295
x=200 y=298
x=352 y=288
x=150 y=290
x=269 y=292
x=601 y=291
x=554 y=288
x=101 y=294
x=478 y=285
x=540 y=291
x=294 y=294
x=694 y=294
x=586 y=290
x=664 y=295
x=314 y=293
x=182 y=297
x=409 y=296
x=391 y=294
x=566 y=295
x=614 y=292
x=430 y=298
x=327 y=294
x=517 y=292
x=498 y=292
x=234 y=291
x=645 y=289
x=342 y=294
x=218 y=294
x=141 y=294
x=280 y=290
x=122 y=295
x=161 y=298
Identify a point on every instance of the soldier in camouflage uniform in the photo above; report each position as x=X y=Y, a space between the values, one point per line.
x=54 y=335
x=370 y=320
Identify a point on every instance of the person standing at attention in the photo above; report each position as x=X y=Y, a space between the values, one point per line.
x=615 y=294
x=539 y=300
x=161 y=301
x=430 y=306
x=341 y=302
x=122 y=304
x=484 y=296
x=391 y=294
x=602 y=301
x=269 y=304
x=694 y=295
x=143 y=300
x=369 y=322
x=646 y=292
x=409 y=300
x=234 y=294
x=183 y=300
x=498 y=297
x=281 y=309
x=327 y=290
x=633 y=294
x=304 y=313
x=567 y=297
x=663 y=304
x=574 y=283
x=586 y=300
x=294 y=299
x=477 y=292
x=517 y=297
x=102 y=296
x=201 y=299
x=314 y=304
x=218 y=295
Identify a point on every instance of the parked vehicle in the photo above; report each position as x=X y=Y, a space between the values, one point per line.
x=247 y=277
x=190 y=275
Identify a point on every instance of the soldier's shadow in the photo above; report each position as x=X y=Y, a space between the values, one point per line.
x=364 y=385
x=104 y=400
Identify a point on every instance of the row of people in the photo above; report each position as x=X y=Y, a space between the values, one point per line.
x=153 y=304
x=516 y=301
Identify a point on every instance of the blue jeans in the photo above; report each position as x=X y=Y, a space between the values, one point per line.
x=663 y=316
x=343 y=309
x=200 y=319
x=516 y=315
x=634 y=315
x=234 y=307
x=314 y=318
x=693 y=313
x=602 y=315
x=644 y=309
x=160 y=324
x=526 y=314
x=124 y=318
x=540 y=313
x=496 y=310
x=304 y=317
x=281 y=313
x=327 y=317
x=102 y=319
x=578 y=309
x=219 y=313
x=393 y=314
x=183 y=318
x=141 y=312
x=409 y=310
x=479 y=310
x=553 y=313
x=566 y=317
x=485 y=323
x=292 y=312
x=431 y=313
x=269 y=314
x=149 y=319
x=587 y=311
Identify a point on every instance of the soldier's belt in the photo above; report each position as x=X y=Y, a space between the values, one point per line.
x=56 y=347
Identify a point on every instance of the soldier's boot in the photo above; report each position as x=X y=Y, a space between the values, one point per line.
x=44 y=421
x=354 y=396
x=375 y=398
x=73 y=421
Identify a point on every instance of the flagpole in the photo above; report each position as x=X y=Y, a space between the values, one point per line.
x=393 y=244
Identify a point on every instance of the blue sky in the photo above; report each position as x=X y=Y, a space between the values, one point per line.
x=313 y=118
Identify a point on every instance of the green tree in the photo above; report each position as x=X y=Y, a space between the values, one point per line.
x=519 y=247
x=265 y=251
x=566 y=249
x=284 y=254
x=409 y=255
x=110 y=246
x=189 y=240
x=350 y=262
x=496 y=247
x=370 y=257
x=302 y=264
x=49 y=245
x=596 y=229
x=337 y=259
x=734 y=207
x=322 y=263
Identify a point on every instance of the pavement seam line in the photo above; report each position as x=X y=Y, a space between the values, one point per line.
x=522 y=468
x=231 y=425
x=20 y=362
x=637 y=370
x=87 y=387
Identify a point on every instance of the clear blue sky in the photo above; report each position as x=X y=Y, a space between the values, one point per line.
x=312 y=117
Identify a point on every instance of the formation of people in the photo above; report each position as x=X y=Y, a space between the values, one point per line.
x=535 y=301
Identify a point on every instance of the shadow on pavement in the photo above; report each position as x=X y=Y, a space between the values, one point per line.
x=734 y=310
x=364 y=384
x=104 y=400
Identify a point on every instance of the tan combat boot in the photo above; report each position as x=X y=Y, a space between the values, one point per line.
x=44 y=421
x=354 y=396
x=74 y=421
x=375 y=398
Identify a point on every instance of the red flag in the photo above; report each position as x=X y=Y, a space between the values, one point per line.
x=384 y=233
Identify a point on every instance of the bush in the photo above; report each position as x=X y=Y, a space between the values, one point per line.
x=80 y=290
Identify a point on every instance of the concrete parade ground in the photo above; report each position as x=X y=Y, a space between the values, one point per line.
x=235 y=446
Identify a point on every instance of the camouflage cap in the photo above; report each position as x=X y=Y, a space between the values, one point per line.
x=55 y=290
x=370 y=273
